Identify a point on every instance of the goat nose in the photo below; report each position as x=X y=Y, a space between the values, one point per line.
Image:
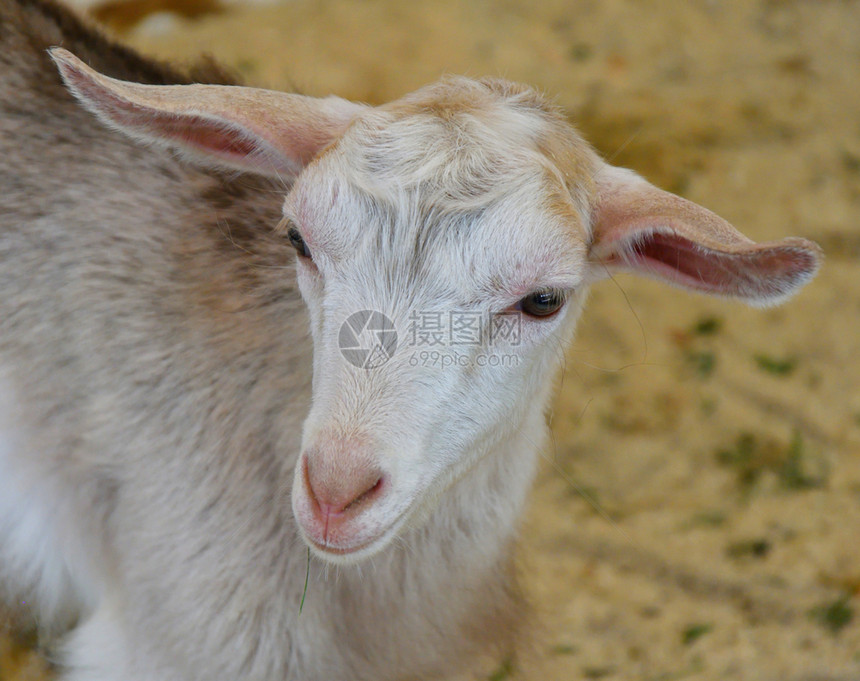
x=339 y=491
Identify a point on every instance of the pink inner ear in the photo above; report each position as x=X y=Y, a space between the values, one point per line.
x=206 y=135
x=196 y=131
x=756 y=272
x=641 y=228
x=222 y=138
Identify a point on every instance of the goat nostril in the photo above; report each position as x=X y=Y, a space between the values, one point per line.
x=338 y=492
x=365 y=496
x=306 y=475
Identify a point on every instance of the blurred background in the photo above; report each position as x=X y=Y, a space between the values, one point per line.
x=698 y=513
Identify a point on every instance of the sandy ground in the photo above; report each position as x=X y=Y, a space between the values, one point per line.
x=699 y=512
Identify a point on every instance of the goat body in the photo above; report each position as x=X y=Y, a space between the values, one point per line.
x=173 y=441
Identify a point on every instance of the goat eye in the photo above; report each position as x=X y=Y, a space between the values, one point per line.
x=542 y=303
x=298 y=243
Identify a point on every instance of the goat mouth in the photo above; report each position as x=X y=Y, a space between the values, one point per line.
x=329 y=549
x=364 y=548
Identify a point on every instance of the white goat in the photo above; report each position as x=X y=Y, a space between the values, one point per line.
x=158 y=491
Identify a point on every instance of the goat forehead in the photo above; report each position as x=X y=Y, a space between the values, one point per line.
x=438 y=186
x=465 y=153
x=458 y=142
x=422 y=245
x=470 y=134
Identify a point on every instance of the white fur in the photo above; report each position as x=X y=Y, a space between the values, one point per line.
x=34 y=552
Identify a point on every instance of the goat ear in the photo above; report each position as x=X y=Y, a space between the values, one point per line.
x=260 y=131
x=640 y=228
